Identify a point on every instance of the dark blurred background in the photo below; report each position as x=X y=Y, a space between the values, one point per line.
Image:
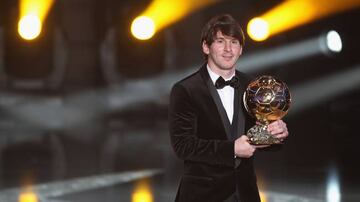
x=83 y=107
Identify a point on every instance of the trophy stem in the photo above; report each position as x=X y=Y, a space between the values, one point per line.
x=259 y=135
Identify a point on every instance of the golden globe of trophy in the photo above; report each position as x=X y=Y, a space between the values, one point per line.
x=267 y=99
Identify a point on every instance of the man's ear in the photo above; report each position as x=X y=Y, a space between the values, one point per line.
x=205 y=48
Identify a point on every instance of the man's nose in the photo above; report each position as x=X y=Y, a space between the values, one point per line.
x=227 y=46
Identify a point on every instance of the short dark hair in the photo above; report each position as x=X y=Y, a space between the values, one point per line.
x=224 y=23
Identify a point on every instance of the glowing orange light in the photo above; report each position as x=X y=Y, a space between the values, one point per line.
x=258 y=29
x=28 y=196
x=263 y=196
x=165 y=12
x=294 y=13
x=32 y=15
x=29 y=27
x=143 y=28
x=142 y=192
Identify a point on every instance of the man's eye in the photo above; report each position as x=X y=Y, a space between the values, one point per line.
x=219 y=40
x=235 y=42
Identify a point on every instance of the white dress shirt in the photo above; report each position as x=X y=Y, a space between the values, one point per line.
x=226 y=94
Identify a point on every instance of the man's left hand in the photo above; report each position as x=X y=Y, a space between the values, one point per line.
x=278 y=129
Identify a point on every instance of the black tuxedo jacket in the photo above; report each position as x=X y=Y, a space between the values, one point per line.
x=202 y=136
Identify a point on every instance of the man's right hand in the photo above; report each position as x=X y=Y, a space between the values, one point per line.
x=244 y=149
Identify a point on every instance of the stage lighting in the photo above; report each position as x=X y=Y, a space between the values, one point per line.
x=322 y=44
x=294 y=13
x=258 y=29
x=330 y=43
x=32 y=15
x=333 y=193
x=165 y=12
x=249 y=63
x=333 y=41
x=36 y=41
x=263 y=196
x=29 y=27
x=143 y=28
x=28 y=196
x=314 y=92
x=142 y=192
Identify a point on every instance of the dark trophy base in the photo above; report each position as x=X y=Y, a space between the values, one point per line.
x=258 y=135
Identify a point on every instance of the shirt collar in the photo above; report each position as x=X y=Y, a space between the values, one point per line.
x=215 y=76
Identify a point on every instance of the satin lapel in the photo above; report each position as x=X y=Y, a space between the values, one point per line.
x=235 y=121
x=238 y=120
x=215 y=96
x=241 y=109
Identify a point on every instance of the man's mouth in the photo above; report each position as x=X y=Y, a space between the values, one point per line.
x=228 y=57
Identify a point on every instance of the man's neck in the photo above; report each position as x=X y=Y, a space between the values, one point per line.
x=225 y=73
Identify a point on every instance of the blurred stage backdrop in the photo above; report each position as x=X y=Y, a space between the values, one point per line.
x=84 y=93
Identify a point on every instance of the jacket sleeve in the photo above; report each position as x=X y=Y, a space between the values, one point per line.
x=185 y=141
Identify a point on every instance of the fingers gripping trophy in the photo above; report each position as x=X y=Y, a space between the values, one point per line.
x=267 y=99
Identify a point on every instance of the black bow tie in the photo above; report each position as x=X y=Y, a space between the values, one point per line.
x=221 y=83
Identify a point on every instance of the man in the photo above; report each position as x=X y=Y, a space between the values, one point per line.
x=207 y=122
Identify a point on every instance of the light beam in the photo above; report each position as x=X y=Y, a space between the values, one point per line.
x=32 y=16
x=311 y=93
x=293 y=13
x=165 y=12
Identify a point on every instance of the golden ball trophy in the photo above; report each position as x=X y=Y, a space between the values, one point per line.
x=267 y=99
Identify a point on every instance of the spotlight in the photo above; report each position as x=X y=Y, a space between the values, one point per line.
x=314 y=92
x=142 y=192
x=28 y=196
x=322 y=44
x=32 y=15
x=333 y=193
x=258 y=29
x=29 y=27
x=143 y=28
x=164 y=13
x=330 y=43
x=291 y=14
x=333 y=41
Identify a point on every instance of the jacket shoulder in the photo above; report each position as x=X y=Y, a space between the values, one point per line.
x=190 y=81
x=245 y=77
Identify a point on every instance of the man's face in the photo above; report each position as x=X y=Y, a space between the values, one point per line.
x=223 y=52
